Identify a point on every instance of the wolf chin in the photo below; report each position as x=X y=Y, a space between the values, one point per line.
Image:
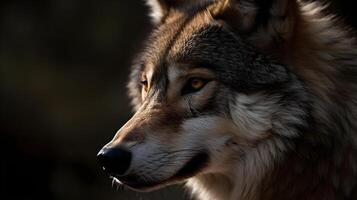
x=241 y=99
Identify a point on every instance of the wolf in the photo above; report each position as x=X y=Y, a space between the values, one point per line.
x=241 y=99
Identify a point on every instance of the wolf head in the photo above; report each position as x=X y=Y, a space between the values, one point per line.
x=206 y=98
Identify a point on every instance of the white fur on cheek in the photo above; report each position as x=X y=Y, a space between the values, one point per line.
x=209 y=134
x=252 y=114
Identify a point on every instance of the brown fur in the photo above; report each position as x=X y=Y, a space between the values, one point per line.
x=276 y=118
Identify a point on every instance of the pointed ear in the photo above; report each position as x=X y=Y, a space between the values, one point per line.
x=270 y=18
x=159 y=8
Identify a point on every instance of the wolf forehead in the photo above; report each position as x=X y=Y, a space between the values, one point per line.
x=200 y=42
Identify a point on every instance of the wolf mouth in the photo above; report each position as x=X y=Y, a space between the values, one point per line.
x=192 y=167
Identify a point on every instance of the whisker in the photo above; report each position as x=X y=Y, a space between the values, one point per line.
x=118 y=186
x=113 y=181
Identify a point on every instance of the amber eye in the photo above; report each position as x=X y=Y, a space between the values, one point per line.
x=194 y=85
x=197 y=83
x=144 y=83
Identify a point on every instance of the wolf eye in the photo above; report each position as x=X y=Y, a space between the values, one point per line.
x=144 y=83
x=194 y=85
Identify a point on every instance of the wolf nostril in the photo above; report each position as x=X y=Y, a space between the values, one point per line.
x=115 y=161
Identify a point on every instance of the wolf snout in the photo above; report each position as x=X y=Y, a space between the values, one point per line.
x=114 y=161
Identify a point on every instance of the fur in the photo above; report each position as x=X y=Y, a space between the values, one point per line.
x=274 y=116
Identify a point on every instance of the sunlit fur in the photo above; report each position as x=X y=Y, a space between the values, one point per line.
x=277 y=118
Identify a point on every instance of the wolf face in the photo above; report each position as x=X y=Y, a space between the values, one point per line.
x=204 y=99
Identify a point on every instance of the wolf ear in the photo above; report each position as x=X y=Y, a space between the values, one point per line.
x=268 y=18
x=159 y=8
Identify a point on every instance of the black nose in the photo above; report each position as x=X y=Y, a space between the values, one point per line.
x=114 y=161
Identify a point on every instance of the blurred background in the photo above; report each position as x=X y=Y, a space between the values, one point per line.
x=63 y=72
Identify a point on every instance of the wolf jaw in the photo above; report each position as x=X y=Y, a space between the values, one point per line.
x=276 y=115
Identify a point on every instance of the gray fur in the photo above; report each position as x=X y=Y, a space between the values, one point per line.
x=278 y=121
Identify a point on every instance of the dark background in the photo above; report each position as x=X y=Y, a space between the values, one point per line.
x=63 y=72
